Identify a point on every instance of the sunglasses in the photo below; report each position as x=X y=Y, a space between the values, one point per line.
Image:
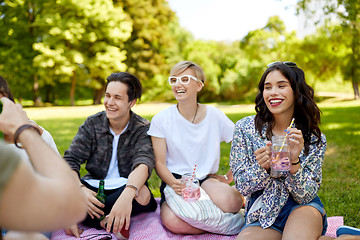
x=98 y=236
x=289 y=64
x=183 y=80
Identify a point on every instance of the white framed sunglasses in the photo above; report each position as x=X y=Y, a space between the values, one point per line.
x=185 y=79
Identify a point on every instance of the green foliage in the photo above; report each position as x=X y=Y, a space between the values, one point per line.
x=150 y=39
x=84 y=42
x=16 y=52
x=61 y=51
x=348 y=12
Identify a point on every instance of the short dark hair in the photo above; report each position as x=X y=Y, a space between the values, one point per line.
x=134 y=90
x=5 y=89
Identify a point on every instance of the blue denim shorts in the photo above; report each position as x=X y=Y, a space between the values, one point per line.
x=290 y=206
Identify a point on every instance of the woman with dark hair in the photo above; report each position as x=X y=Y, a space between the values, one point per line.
x=278 y=207
x=5 y=90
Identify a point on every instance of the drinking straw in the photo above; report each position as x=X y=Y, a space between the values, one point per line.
x=282 y=145
x=193 y=174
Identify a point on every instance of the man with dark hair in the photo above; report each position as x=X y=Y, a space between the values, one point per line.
x=115 y=147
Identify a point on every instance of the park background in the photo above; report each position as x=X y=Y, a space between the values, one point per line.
x=56 y=56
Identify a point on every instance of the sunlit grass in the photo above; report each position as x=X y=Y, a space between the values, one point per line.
x=340 y=190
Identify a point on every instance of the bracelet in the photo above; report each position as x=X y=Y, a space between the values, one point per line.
x=20 y=130
x=133 y=187
x=296 y=162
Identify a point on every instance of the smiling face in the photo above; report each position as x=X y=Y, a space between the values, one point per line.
x=278 y=94
x=186 y=91
x=116 y=102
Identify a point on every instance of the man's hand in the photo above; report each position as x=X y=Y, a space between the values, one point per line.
x=11 y=117
x=93 y=204
x=74 y=231
x=120 y=212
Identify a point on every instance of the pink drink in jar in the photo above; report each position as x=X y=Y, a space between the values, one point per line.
x=190 y=187
x=280 y=157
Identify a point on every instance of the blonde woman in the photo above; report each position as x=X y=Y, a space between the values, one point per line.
x=189 y=133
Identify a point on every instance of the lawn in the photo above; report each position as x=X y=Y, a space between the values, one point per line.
x=340 y=190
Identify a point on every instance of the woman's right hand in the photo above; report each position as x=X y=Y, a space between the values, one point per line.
x=263 y=156
x=93 y=204
x=176 y=185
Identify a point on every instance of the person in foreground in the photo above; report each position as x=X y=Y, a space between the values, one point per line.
x=188 y=134
x=34 y=198
x=46 y=136
x=286 y=207
x=115 y=147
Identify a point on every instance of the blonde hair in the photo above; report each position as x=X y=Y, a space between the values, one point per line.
x=182 y=66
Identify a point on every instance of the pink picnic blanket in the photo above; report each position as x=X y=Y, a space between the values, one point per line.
x=148 y=226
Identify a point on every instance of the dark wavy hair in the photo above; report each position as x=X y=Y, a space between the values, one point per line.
x=306 y=112
x=5 y=89
x=134 y=90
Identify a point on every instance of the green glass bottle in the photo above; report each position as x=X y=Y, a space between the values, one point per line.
x=101 y=195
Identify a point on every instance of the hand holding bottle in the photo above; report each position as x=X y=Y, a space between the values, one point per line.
x=93 y=204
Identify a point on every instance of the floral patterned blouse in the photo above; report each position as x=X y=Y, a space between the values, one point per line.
x=250 y=177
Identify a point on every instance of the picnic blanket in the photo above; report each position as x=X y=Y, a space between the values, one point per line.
x=147 y=226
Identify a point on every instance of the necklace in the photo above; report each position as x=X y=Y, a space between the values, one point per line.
x=197 y=107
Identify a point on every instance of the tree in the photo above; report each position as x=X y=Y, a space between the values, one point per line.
x=348 y=12
x=83 y=44
x=150 y=38
x=322 y=61
x=16 y=52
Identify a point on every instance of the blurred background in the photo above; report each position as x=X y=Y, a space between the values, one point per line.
x=59 y=52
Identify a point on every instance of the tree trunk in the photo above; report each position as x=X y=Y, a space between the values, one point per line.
x=98 y=94
x=356 y=89
x=36 y=96
x=72 y=90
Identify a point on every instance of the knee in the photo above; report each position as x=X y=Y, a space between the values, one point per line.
x=231 y=202
x=144 y=196
x=172 y=223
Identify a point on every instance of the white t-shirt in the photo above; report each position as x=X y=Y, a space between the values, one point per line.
x=188 y=143
x=46 y=136
x=113 y=179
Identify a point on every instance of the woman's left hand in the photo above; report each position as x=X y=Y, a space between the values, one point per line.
x=296 y=142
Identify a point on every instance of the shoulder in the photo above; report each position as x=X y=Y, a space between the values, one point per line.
x=216 y=113
x=214 y=110
x=246 y=122
x=165 y=113
x=139 y=121
x=96 y=119
x=97 y=116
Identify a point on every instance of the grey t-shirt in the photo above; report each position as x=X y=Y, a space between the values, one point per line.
x=9 y=160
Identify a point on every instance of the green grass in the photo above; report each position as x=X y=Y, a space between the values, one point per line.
x=340 y=190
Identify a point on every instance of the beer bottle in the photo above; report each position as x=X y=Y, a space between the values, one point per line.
x=101 y=195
